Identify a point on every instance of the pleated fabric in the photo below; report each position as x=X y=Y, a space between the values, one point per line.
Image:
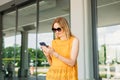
x=58 y=69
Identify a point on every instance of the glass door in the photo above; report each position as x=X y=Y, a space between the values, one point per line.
x=48 y=11
x=27 y=29
x=23 y=29
x=9 y=49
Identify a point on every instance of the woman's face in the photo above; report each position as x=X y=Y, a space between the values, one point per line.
x=58 y=30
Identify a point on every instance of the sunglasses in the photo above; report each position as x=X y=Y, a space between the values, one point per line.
x=56 y=29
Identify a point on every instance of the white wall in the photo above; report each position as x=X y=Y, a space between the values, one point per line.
x=81 y=27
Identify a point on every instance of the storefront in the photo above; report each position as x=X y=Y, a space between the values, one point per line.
x=23 y=24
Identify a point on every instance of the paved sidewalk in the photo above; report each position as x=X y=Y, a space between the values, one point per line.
x=30 y=78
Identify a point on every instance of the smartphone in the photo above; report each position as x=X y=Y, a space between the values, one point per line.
x=43 y=44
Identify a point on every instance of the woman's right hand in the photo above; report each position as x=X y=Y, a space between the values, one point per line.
x=44 y=49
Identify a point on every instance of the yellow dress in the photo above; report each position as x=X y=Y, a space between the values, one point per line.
x=58 y=69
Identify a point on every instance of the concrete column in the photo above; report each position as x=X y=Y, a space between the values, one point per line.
x=24 y=62
x=81 y=26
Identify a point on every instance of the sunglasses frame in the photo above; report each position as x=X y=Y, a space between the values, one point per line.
x=56 y=29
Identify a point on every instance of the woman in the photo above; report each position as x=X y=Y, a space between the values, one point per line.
x=62 y=55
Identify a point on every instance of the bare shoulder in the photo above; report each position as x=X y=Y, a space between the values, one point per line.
x=76 y=39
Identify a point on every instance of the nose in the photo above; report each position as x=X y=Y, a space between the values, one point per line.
x=56 y=31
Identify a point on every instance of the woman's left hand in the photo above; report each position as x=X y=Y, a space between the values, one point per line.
x=48 y=50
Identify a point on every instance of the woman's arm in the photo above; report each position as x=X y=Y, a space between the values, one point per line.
x=49 y=59
x=48 y=56
x=73 y=56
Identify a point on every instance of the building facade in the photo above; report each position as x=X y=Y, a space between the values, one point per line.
x=23 y=24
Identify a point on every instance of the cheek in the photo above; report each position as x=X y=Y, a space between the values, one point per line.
x=58 y=34
x=62 y=32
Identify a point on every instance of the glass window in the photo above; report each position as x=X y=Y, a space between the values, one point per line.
x=27 y=29
x=49 y=10
x=108 y=30
x=21 y=43
x=9 y=47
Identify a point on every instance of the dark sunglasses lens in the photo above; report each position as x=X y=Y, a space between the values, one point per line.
x=58 y=29
x=53 y=30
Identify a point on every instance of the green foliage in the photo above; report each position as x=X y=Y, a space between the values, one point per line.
x=102 y=54
x=36 y=54
x=9 y=52
x=32 y=52
x=13 y=53
x=103 y=75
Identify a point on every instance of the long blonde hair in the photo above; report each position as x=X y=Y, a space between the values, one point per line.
x=65 y=26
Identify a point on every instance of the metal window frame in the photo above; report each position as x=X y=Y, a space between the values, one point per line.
x=15 y=6
x=1 y=40
x=8 y=7
x=95 y=43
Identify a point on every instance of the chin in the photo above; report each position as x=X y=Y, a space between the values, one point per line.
x=59 y=36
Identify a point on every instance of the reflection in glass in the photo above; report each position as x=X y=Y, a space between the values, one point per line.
x=27 y=30
x=109 y=50
x=9 y=46
x=49 y=10
x=22 y=47
x=108 y=39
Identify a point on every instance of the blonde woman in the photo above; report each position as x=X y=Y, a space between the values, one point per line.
x=62 y=55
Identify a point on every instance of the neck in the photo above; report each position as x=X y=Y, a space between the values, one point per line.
x=63 y=38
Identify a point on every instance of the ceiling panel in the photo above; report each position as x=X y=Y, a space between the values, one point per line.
x=4 y=2
x=106 y=2
x=109 y=13
x=27 y=15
